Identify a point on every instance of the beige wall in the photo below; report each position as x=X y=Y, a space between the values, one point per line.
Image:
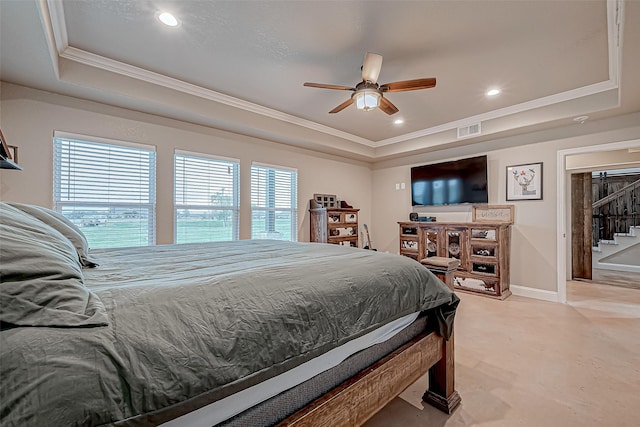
x=535 y=232
x=30 y=117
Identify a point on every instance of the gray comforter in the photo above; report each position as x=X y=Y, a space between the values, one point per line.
x=190 y=324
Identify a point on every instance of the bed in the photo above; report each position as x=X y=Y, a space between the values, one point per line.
x=237 y=333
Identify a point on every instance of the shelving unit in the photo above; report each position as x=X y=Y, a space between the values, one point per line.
x=334 y=225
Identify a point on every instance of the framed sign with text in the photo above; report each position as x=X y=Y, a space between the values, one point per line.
x=493 y=213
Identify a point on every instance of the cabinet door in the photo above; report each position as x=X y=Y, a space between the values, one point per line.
x=455 y=245
x=432 y=242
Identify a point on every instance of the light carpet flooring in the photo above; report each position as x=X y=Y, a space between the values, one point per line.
x=525 y=362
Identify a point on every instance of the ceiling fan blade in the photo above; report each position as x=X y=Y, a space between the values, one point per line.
x=324 y=86
x=342 y=106
x=371 y=67
x=387 y=106
x=405 y=85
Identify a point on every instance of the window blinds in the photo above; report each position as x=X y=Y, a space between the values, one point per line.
x=207 y=202
x=107 y=189
x=274 y=203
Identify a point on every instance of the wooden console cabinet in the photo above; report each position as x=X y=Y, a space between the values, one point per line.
x=334 y=225
x=482 y=248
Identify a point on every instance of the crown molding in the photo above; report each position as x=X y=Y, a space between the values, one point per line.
x=107 y=64
x=502 y=112
x=52 y=14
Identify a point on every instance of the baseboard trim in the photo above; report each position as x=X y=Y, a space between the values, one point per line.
x=541 y=294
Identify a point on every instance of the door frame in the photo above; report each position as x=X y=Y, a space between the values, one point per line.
x=563 y=182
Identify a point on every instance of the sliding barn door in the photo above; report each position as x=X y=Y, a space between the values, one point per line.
x=581 y=238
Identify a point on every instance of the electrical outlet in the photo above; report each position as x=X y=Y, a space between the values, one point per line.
x=402 y=186
x=397 y=186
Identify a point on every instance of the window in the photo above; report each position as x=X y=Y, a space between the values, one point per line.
x=274 y=203
x=107 y=189
x=206 y=198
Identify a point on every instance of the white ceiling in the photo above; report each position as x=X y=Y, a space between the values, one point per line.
x=240 y=65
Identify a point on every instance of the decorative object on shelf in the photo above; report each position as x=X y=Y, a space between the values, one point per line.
x=493 y=213
x=326 y=200
x=524 y=182
x=8 y=155
x=345 y=205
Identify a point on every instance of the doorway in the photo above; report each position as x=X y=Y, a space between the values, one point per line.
x=596 y=159
x=605 y=226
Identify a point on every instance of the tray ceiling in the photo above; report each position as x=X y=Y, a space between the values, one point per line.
x=241 y=65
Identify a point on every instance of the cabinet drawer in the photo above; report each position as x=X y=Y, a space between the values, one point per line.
x=342 y=217
x=484 y=250
x=350 y=243
x=475 y=283
x=484 y=268
x=409 y=243
x=486 y=234
x=343 y=231
x=413 y=231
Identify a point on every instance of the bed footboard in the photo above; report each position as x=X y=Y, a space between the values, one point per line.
x=441 y=392
x=356 y=400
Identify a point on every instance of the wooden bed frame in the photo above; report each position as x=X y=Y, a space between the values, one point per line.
x=356 y=400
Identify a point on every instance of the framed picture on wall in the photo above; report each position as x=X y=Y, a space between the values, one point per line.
x=524 y=182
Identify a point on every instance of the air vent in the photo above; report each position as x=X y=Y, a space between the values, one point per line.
x=468 y=131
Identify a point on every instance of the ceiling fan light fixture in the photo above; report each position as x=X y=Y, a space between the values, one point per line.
x=367 y=99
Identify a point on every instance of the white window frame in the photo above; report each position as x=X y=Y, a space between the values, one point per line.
x=234 y=208
x=271 y=211
x=59 y=204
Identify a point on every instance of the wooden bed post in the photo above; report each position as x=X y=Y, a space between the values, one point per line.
x=442 y=393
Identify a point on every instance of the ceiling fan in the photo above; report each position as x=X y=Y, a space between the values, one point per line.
x=368 y=94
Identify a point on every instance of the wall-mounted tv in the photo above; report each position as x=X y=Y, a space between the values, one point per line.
x=450 y=183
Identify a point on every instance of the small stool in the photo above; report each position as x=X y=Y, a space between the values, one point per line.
x=442 y=268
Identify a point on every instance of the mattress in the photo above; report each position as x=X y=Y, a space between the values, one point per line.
x=230 y=406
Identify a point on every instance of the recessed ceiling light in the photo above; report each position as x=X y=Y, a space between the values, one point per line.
x=168 y=19
x=581 y=119
x=398 y=121
x=493 y=92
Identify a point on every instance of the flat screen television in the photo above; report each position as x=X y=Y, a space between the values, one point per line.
x=450 y=183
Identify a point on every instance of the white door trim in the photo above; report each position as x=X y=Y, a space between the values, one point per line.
x=564 y=206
